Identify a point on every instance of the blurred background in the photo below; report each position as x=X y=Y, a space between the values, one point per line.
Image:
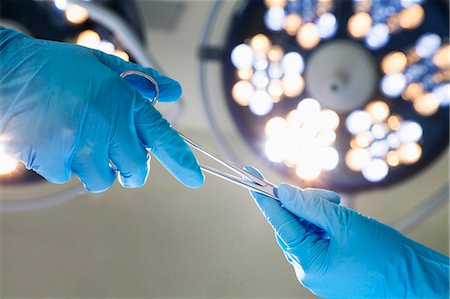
x=347 y=95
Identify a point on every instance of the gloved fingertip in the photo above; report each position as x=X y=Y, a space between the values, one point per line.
x=195 y=180
x=254 y=171
x=169 y=90
x=97 y=188
x=132 y=182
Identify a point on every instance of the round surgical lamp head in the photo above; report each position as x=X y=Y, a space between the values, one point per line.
x=346 y=95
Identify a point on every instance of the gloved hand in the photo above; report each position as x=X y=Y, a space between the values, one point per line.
x=358 y=257
x=65 y=109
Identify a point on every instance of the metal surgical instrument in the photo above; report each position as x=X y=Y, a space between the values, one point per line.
x=245 y=179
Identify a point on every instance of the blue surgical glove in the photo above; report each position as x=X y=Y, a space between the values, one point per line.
x=64 y=109
x=358 y=257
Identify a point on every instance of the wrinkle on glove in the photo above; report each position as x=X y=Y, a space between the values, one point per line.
x=65 y=110
x=358 y=257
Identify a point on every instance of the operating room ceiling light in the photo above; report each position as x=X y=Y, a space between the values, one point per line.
x=381 y=137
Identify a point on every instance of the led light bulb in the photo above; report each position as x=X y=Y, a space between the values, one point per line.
x=245 y=74
x=291 y=23
x=357 y=159
x=292 y=62
x=88 y=38
x=426 y=104
x=308 y=36
x=428 y=44
x=409 y=153
x=276 y=126
x=329 y=158
x=308 y=171
x=274 y=18
x=329 y=119
x=260 y=44
x=409 y=131
x=359 y=24
x=275 y=53
x=275 y=150
x=293 y=85
x=275 y=88
x=122 y=54
x=76 y=14
x=411 y=17
x=242 y=92
x=327 y=25
x=442 y=57
x=393 y=85
x=260 y=103
x=275 y=3
x=242 y=56
x=378 y=36
x=358 y=121
x=7 y=163
x=376 y=170
x=379 y=111
x=394 y=62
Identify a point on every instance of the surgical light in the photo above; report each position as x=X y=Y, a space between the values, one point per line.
x=242 y=56
x=274 y=18
x=362 y=115
x=358 y=121
x=359 y=24
x=394 y=62
x=260 y=102
x=308 y=36
x=392 y=85
x=327 y=25
x=378 y=36
x=60 y=4
x=411 y=17
x=89 y=38
x=427 y=45
x=76 y=14
x=376 y=170
x=7 y=163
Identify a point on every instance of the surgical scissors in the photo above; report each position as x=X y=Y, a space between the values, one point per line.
x=247 y=179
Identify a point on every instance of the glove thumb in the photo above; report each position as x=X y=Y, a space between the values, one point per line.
x=319 y=207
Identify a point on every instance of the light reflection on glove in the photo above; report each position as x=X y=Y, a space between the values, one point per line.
x=358 y=257
x=65 y=109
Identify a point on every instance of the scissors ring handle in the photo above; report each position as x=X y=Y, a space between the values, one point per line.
x=146 y=76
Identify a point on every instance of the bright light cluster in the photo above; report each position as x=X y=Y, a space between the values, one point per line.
x=303 y=139
x=308 y=21
x=376 y=21
x=421 y=77
x=380 y=141
x=266 y=74
x=7 y=163
x=91 y=39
